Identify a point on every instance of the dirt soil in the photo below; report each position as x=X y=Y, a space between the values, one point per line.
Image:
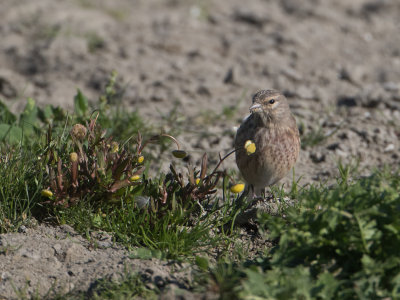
x=45 y=260
x=197 y=63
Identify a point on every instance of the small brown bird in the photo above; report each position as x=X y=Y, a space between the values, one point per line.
x=272 y=127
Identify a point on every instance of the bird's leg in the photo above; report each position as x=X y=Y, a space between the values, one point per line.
x=263 y=192
x=251 y=188
x=257 y=194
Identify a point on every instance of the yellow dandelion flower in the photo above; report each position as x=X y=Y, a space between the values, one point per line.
x=197 y=181
x=134 y=178
x=47 y=193
x=237 y=188
x=140 y=159
x=179 y=153
x=73 y=156
x=250 y=147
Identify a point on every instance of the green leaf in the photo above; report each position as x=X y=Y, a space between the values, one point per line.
x=29 y=117
x=157 y=254
x=392 y=228
x=396 y=286
x=81 y=104
x=255 y=284
x=5 y=115
x=97 y=220
x=30 y=111
x=46 y=114
x=10 y=134
x=202 y=262
x=141 y=253
x=327 y=285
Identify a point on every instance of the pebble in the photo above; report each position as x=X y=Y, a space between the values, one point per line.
x=22 y=229
x=389 y=148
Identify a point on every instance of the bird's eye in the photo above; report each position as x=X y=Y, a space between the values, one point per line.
x=272 y=101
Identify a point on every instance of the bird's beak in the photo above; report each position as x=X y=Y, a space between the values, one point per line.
x=255 y=107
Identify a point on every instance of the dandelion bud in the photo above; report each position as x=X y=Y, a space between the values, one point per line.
x=250 y=147
x=47 y=193
x=134 y=178
x=237 y=188
x=73 y=157
x=140 y=159
x=114 y=147
x=78 y=132
x=179 y=153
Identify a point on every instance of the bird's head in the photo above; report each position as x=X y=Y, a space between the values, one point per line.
x=270 y=106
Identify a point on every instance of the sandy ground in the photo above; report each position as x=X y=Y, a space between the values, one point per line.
x=338 y=62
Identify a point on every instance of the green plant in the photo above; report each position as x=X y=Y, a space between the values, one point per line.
x=96 y=168
x=14 y=132
x=94 y=42
x=314 y=136
x=20 y=185
x=89 y=175
x=338 y=243
x=130 y=286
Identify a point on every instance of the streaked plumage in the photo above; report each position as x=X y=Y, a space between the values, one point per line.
x=272 y=127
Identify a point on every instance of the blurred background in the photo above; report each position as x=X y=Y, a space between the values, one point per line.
x=191 y=67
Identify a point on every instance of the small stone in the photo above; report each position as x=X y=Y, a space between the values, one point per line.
x=29 y=254
x=22 y=229
x=250 y=18
x=389 y=148
x=391 y=86
x=4 y=276
x=104 y=244
x=150 y=271
x=317 y=157
x=150 y=286
x=229 y=77
x=159 y=281
x=204 y=91
x=68 y=229
x=348 y=101
x=57 y=248
x=341 y=153
x=333 y=146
